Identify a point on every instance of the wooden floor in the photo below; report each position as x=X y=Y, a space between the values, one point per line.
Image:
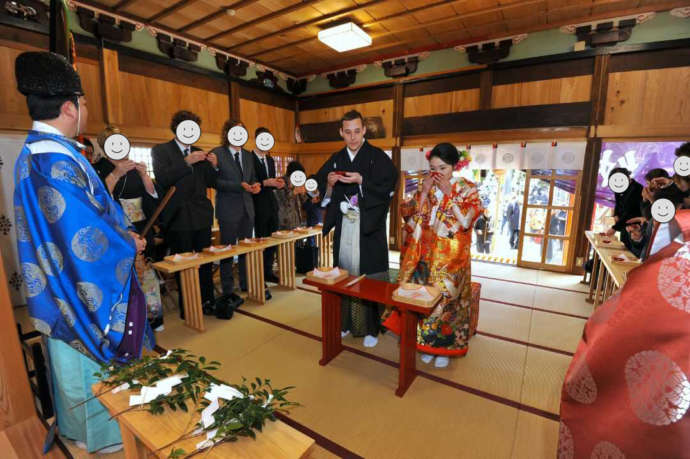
x=500 y=401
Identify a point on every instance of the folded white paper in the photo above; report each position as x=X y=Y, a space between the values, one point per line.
x=335 y=272
x=179 y=257
x=222 y=391
x=207 y=414
x=419 y=294
x=220 y=249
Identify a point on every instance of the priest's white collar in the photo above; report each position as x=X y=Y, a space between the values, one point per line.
x=39 y=126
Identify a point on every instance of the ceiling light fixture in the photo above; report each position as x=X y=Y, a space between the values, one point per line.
x=345 y=37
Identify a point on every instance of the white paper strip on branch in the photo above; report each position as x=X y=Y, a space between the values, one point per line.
x=509 y=156
x=411 y=159
x=568 y=155
x=482 y=157
x=537 y=155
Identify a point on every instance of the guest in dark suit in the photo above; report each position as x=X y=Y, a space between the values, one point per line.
x=265 y=205
x=188 y=217
x=236 y=183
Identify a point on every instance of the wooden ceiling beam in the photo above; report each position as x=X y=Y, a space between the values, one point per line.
x=170 y=10
x=495 y=9
x=262 y=19
x=165 y=29
x=398 y=15
x=331 y=16
x=530 y=29
x=121 y=4
x=215 y=15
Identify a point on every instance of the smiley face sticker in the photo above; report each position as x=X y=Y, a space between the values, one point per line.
x=298 y=178
x=265 y=141
x=116 y=147
x=311 y=185
x=238 y=136
x=681 y=166
x=188 y=132
x=663 y=210
x=619 y=182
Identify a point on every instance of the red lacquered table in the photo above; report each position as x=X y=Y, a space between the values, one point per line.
x=379 y=292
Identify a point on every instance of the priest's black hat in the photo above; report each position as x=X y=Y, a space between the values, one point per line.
x=46 y=74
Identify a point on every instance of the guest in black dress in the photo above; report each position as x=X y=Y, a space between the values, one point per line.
x=132 y=188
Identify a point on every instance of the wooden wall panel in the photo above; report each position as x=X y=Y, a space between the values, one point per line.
x=90 y=74
x=279 y=121
x=447 y=102
x=382 y=108
x=649 y=97
x=313 y=162
x=553 y=91
x=150 y=103
x=13 y=102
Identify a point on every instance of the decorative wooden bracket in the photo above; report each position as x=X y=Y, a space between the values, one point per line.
x=104 y=26
x=267 y=79
x=177 y=48
x=489 y=53
x=400 y=67
x=605 y=33
x=231 y=66
x=344 y=79
x=297 y=87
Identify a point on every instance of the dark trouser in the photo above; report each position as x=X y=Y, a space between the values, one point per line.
x=264 y=228
x=362 y=317
x=230 y=232
x=188 y=241
x=514 y=238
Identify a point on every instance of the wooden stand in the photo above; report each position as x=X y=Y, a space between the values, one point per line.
x=328 y=281
x=378 y=292
x=143 y=434
x=286 y=265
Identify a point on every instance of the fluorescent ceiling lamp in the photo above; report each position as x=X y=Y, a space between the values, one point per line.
x=345 y=37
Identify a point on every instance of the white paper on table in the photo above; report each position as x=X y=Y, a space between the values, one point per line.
x=171 y=381
x=136 y=400
x=222 y=391
x=622 y=257
x=419 y=294
x=179 y=257
x=207 y=414
x=220 y=249
x=335 y=272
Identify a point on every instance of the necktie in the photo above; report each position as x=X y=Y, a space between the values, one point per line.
x=187 y=150
x=263 y=163
x=237 y=160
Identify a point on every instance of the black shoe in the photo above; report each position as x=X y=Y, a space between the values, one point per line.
x=273 y=279
x=268 y=295
x=236 y=300
x=225 y=307
x=209 y=307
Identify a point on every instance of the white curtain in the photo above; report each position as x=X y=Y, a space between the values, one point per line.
x=10 y=147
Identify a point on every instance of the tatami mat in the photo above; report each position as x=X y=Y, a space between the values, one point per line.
x=499 y=401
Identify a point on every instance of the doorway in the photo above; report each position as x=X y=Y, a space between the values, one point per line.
x=547 y=239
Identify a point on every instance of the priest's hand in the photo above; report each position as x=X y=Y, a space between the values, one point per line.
x=195 y=157
x=213 y=159
x=139 y=241
x=351 y=177
x=333 y=178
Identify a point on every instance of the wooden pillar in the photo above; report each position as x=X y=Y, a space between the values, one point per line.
x=486 y=83
x=234 y=93
x=590 y=170
x=110 y=75
x=398 y=119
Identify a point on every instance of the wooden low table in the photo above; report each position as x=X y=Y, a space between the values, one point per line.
x=189 y=278
x=609 y=275
x=379 y=292
x=256 y=290
x=144 y=433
